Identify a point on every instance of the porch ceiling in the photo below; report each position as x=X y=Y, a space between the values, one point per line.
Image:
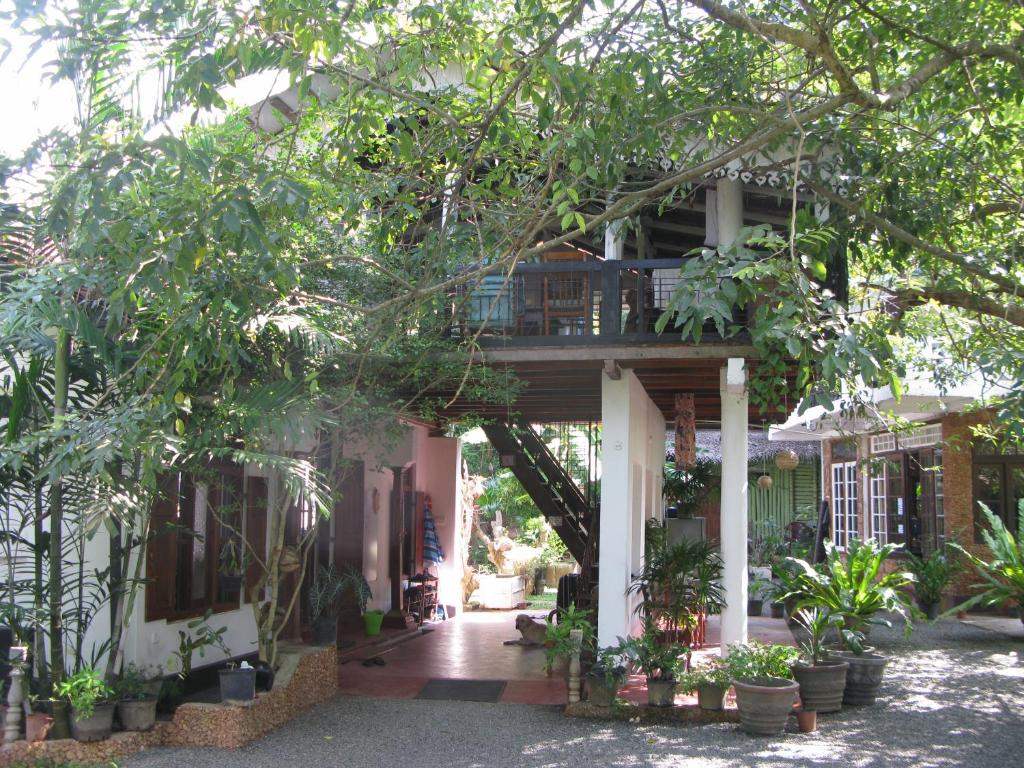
x=570 y=390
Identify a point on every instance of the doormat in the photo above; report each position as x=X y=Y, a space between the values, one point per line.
x=463 y=690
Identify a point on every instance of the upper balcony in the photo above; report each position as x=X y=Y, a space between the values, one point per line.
x=571 y=299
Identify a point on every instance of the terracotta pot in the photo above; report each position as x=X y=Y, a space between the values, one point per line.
x=822 y=685
x=807 y=720
x=764 y=703
x=37 y=725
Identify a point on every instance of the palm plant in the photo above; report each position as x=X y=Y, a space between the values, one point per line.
x=818 y=623
x=1003 y=575
x=933 y=576
x=656 y=661
x=679 y=585
x=853 y=587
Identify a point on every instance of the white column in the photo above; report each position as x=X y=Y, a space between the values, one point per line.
x=615 y=544
x=614 y=241
x=734 y=502
x=729 y=206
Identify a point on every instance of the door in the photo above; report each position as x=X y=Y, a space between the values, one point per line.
x=348 y=538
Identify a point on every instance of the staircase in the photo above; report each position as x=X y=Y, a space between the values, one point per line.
x=555 y=493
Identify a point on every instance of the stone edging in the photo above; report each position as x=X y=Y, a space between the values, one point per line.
x=308 y=676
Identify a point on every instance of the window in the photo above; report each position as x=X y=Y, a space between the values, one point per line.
x=998 y=481
x=888 y=506
x=844 y=503
x=196 y=553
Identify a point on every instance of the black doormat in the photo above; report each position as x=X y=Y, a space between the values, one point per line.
x=462 y=690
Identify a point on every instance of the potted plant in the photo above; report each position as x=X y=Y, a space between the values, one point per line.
x=558 y=640
x=605 y=677
x=854 y=587
x=763 y=679
x=136 y=706
x=92 y=708
x=755 y=601
x=660 y=663
x=822 y=678
x=372 y=620
x=324 y=592
x=1002 y=578
x=237 y=683
x=710 y=680
x=932 y=575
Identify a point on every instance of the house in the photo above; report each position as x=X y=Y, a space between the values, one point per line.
x=910 y=470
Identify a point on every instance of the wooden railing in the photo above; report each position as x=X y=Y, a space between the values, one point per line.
x=567 y=302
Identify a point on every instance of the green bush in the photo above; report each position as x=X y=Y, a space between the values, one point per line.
x=84 y=689
x=1003 y=575
x=756 y=659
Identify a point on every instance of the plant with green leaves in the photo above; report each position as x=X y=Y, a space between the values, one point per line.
x=559 y=642
x=932 y=576
x=609 y=665
x=84 y=690
x=852 y=585
x=818 y=623
x=353 y=577
x=1002 y=577
x=198 y=635
x=713 y=672
x=656 y=659
x=755 y=660
x=324 y=591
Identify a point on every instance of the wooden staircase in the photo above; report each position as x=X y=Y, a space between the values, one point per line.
x=553 y=490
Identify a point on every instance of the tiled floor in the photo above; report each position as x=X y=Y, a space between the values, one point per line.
x=471 y=647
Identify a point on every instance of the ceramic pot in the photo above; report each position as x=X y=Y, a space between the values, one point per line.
x=325 y=630
x=237 y=685
x=711 y=697
x=97 y=726
x=137 y=714
x=764 y=703
x=864 y=677
x=600 y=693
x=661 y=693
x=822 y=685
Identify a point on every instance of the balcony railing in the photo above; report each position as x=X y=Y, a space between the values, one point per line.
x=566 y=303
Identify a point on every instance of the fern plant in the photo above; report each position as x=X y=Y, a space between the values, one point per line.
x=1002 y=577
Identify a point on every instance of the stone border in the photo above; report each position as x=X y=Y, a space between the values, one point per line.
x=308 y=676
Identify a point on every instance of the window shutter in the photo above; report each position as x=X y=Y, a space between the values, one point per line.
x=255 y=528
x=161 y=550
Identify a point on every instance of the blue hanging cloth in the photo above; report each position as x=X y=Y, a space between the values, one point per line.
x=432 y=552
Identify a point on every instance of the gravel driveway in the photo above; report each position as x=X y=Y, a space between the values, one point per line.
x=954 y=696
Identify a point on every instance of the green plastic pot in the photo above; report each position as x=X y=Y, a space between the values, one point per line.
x=373 y=621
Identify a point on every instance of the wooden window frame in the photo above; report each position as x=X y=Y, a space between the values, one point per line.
x=1007 y=512
x=844 y=505
x=171 y=583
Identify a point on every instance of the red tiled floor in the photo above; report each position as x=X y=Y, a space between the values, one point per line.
x=468 y=647
x=471 y=647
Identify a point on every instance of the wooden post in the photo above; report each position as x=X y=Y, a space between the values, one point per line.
x=686 y=432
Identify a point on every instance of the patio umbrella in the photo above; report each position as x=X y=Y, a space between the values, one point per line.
x=432 y=552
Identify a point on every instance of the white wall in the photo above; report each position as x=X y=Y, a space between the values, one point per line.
x=631 y=461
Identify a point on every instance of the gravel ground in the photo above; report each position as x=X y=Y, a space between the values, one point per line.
x=954 y=695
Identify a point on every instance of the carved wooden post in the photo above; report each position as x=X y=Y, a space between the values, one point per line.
x=575 y=683
x=686 y=432
x=15 y=696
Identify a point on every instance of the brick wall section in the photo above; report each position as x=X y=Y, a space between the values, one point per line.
x=308 y=676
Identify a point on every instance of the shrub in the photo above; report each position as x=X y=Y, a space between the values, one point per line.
x=1002 y=576
x=755 y=659
x=84 y=689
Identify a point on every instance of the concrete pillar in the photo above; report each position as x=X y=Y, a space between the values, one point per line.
x=615 y=545
x=734 y=502
x=729 y=208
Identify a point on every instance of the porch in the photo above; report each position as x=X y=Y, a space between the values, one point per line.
x=471 y=647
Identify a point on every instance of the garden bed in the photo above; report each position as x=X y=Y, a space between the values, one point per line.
x=308 y=676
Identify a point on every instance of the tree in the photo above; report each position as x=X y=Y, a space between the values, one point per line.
x=235 y=282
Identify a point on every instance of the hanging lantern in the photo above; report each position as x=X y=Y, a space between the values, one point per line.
x=787 y=459
x=765 y=482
